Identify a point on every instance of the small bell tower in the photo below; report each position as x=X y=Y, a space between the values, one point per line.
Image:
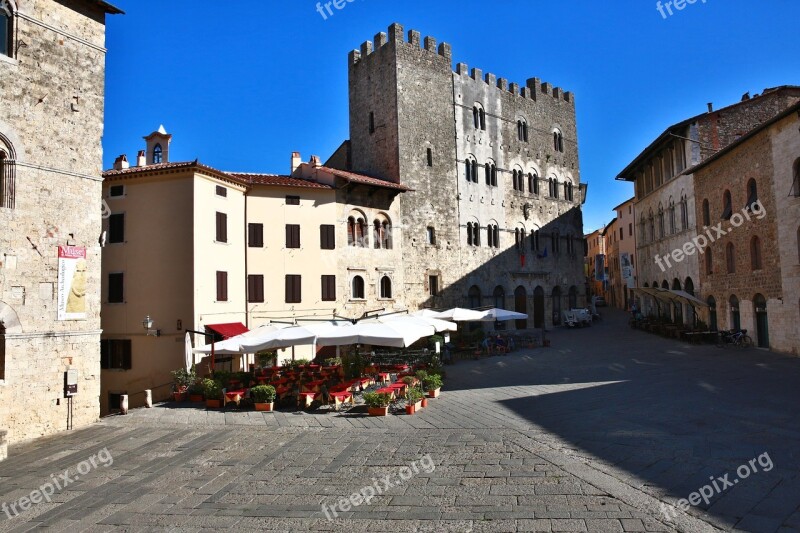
x=158 y=146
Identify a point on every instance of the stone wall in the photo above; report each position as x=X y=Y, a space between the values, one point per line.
x=51 y=113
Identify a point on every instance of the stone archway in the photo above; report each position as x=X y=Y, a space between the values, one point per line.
x=9 y=319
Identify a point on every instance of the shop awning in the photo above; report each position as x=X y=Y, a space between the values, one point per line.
x=228 y=330
x=670 y=296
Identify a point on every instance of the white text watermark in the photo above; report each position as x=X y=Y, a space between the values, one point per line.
x=665 y=8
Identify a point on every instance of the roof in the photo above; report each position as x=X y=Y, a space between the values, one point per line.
x=364 y=180
x=160 y=167
x=275 y=179
x=228 y=330
x=608 y=226
x=631 y=199
x=680 y=125
x=743 y=139
x=113 y=10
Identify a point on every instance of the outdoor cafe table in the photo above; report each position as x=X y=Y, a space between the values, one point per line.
x=234 y=396
x=385 y=377
x=340 y=398
x=388 y=390
x=307 y=398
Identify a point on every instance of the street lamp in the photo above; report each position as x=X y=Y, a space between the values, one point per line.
x=147 y=324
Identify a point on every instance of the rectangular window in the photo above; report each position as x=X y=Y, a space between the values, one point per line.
x=293 y=235
x=116 y=191
x=222 y=191
x=255 y=288
x=328 y=288
x=116 y=228
x=222 y=286
x=431 y=234
x=430 y=157
x=630 y=230
x=433 y=285
x=116 y=288
x=222 y=227
x=255 y=235
x=327 y=237
x=292 y=200
x=293 y=289
x=115 y=354
x=622 y=234
x=371 y=122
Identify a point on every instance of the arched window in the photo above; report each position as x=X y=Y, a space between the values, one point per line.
x=471 y=169
x=558 y=141
x=550 y=187
x=755 y=253
x=533 y=183
x=361 y=233
x=158 y=154
x=351 y=231
x=712 y=313
x=386 y=287
x=709 y=259
x=387 y=234
x=469 y=234
x=7 y=177
x=752 y=192
x=651 y=227
x=489 y=236
x=642 y=228
x=6 y=29
x=476 y=117
x=671 y=216
x=688 y=286
x=357 y=288
x=377 y=235
x=555 y=187
x=706 y=213
x=684 y=214
x=522 y=130
x=736 y=322
x=727 y=209
x=730 y=258
x=483 y=119
x=474 y=297
x=476 y=234
x=488 y=173
x=661 y=233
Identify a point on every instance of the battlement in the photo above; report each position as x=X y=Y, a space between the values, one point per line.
x=532 y=90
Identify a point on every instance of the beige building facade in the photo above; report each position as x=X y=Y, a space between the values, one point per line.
x=596 y=262
x=621 y=241
x=52 y=86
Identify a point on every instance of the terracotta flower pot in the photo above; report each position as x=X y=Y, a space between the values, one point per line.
x=411 y=409
x=434 y=393
x=378 y=411
x=213 y=404
x=424 y=402
x=265 y=406
x=195 y=398
x=179 y=396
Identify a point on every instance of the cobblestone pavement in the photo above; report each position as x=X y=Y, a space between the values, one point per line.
x=593 y=434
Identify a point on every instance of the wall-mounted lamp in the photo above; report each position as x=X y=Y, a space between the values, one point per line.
x=147 y=324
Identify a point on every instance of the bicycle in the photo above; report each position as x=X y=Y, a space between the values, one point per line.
x=738 y=338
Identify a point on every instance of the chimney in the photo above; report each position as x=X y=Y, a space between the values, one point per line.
x=315 y=162
x=746 y=96
x=121 y=163
x=296 y=161
x=710 y=107
x=141 y=159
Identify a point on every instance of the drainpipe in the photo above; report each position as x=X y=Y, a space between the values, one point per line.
x=246 y=244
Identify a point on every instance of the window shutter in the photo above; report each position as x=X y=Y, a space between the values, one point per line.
x=222 y=286
x=222 y=227
x=104 y=354
x=126 y=354
x=116 y=228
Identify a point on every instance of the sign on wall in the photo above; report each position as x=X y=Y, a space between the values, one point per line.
x=71 y=283
x=600 y=267
x=627 y=269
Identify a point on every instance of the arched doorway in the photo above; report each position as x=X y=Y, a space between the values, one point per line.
x=712 y=313
x=573 y=297
x=500 y=303
x=521 y=305
x=762 y=322
x=556 y=306
x=736 y=321
x=538 y=307
x=474 y=297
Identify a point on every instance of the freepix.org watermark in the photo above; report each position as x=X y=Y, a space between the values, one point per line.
x=378 y=487
x=698 y=244
x=665 y=8
x=57 y=483
x=718 y=485
x=325 y=9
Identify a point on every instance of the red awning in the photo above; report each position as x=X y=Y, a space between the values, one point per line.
x=228 y=330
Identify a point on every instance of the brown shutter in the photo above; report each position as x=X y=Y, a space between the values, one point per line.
x=222 y=286
x=222 y=227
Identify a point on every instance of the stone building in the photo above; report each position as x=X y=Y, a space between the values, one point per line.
x=493 y=217
x=621 y=241
x=52 y=75
x=751 y=191
x=665 y=204
x=595 y=246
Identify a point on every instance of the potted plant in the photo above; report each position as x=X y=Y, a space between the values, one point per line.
x=409 y=380
x=264 y=397
x=212 y=390
x=195 y=392
x=433 y=384
x=182 y=378
x=414 y=398
x=377 y=403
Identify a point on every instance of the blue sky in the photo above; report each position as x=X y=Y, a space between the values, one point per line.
x=241 y=88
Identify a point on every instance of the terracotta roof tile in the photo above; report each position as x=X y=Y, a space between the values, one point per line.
x=365 y=180
x=275 y=179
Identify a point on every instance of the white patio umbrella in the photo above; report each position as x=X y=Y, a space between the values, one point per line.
x=188 y=354
x=291 y=336
x=233 y=346
x=392 y=334
x=458 y=314
x=426 y=313
x=438 y=324
x=502 y=315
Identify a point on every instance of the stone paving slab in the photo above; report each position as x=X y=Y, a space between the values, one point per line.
x=595 y=434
